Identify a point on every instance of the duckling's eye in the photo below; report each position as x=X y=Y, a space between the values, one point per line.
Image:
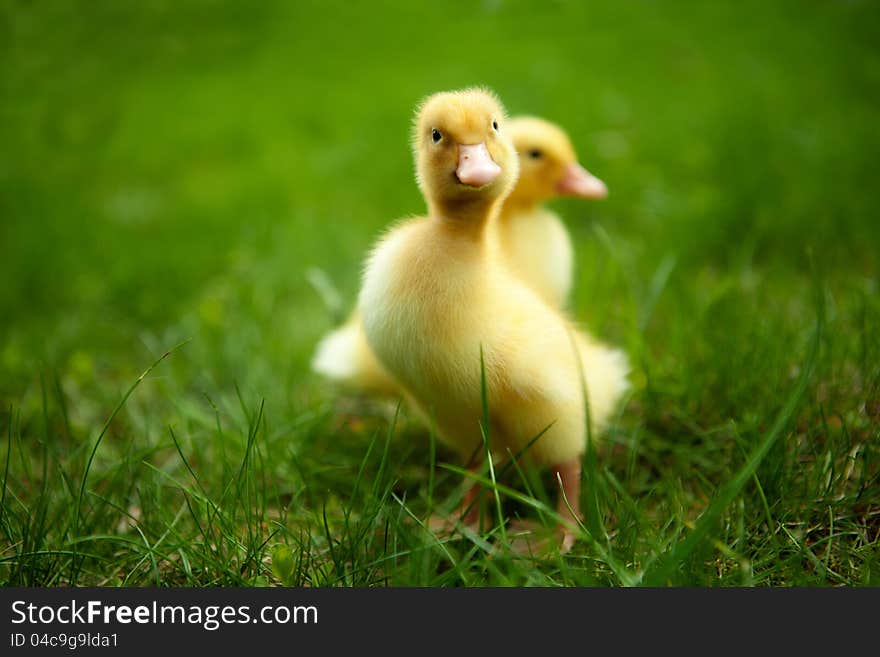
x=495 y=126
x=535 y=154
x=435 y=135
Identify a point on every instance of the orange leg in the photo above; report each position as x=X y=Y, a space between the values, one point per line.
x=467 y=513
x=568 y=506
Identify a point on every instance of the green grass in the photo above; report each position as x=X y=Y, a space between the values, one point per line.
x=172 y=179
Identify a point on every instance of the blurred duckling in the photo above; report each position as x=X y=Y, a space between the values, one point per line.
x=440 y=308
x=534 y=242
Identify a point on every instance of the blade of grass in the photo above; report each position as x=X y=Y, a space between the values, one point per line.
x=485 y=432
x=3 y=517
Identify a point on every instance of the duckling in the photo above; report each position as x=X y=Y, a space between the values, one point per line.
x=535 y=242
x=443 y=312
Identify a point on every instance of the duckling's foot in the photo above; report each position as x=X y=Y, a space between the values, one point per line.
x=467 y=514
x=448 y=525
x=529 y=538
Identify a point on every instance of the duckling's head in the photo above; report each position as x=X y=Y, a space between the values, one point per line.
x=463 y=156
x=548 y=164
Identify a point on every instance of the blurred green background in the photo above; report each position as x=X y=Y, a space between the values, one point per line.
x=152 y=150
x=174 y=171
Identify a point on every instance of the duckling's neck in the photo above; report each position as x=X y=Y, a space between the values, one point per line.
x=466 y=218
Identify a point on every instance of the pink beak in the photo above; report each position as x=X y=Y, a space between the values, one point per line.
x=577 y=181
x=475 y=166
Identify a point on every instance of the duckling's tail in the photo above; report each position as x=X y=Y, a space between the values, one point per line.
x=606 y=371
x=343 y=356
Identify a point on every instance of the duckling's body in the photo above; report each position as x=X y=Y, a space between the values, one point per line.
x=533 y=242
x=438 y=298
x=432 y=298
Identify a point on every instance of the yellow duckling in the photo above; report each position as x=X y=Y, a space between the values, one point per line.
x=534 y=242
x=437 y=299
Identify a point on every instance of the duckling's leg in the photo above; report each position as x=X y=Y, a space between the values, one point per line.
x=568 y=506
x=467 y=513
